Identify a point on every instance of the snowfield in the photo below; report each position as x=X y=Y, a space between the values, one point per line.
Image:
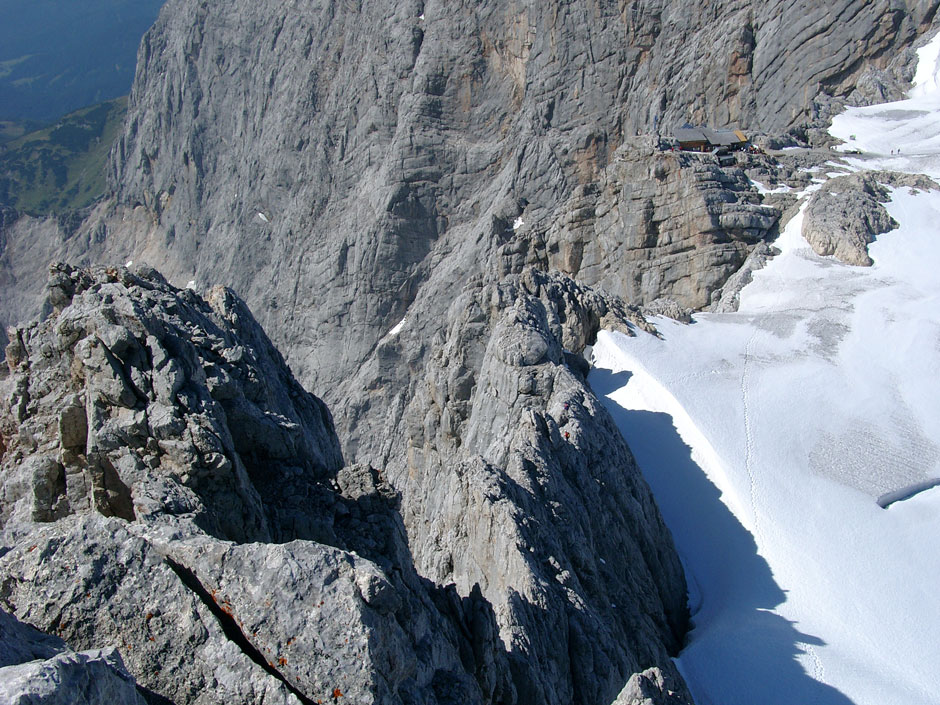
x=773 y=436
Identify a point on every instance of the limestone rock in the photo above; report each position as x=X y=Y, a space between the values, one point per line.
x=167 y=487
x=387 y=185
x=328 y=193
x=20 y=642
x=660 y=224
x=39 y=668
x=727 y=299
x=846 y=214
x=513 y=479
x=651 y=687
x=137 y=399
x=668 y=308
x=91 y=580
x=68 y=678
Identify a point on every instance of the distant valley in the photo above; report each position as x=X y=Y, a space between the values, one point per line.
x=57 y=56
x=61 y=167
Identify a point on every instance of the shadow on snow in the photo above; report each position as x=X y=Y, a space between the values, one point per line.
x=739 y=651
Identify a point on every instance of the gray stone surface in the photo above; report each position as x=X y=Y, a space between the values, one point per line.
x=846 y=214
x=69 y=678
x=39 y=668
x=651 y=687
x=514 y=478
x=20 y=642
x=168 y=488
x=659 y=224
x=163 y=404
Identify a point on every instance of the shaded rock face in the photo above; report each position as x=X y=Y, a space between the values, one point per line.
x=168 y=489
x=27 y=246
x=21 y=643
x=39 y=668
x=514 y=478
x=847 y=213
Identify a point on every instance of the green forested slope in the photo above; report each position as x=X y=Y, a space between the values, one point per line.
x=61 y=167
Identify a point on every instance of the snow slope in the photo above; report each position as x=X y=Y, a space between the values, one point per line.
x=769 y=435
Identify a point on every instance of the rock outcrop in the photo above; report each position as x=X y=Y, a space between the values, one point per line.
x=38 y=668
x=846 y=214
x=168 y=489
x=651 y=687
x=514 y=478
x=659 y=224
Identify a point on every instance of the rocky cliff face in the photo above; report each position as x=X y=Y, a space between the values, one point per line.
x=328 y=172
x=660 y=224
x=432 y=207
x=326 y=169
x=515 y=480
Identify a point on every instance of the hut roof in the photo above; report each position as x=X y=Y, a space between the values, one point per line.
x=716 y=138
x=690 y=134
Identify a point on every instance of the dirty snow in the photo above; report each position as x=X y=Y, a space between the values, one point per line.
x=770 y=435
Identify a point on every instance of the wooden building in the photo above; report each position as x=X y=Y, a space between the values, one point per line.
x=704 y=139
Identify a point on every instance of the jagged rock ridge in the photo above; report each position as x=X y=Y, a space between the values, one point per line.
x=154 y=446
x=169 y=489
